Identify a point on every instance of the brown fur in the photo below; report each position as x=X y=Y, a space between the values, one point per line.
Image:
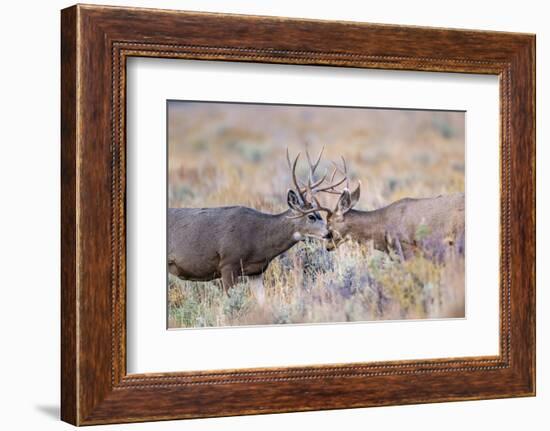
x=229 y=242
x=399 y=224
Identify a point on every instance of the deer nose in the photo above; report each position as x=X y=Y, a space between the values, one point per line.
x=327 y=235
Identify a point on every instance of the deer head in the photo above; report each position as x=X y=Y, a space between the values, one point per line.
x=304 y=206
x=336 y=218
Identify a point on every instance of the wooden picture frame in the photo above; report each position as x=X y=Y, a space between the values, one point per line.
x=96 y=41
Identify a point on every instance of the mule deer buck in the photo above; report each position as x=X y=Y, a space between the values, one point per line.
x=404 y=225
x=229 y=242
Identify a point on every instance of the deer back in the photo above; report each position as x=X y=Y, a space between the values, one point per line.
x=411 y=220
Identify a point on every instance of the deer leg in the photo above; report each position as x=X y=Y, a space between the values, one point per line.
x=228 y=278
x=256 y=284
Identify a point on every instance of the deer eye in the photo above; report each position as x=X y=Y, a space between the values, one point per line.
x=311 y=217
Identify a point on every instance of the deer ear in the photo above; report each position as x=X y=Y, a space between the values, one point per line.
x=293 y=200
x=355 y=195
x=344 y=202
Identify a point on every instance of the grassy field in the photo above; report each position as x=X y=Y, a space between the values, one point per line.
x=227 y=154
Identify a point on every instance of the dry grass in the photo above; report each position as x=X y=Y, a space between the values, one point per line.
x=234 y=155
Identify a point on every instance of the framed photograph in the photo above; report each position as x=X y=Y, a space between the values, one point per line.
x=317 y=215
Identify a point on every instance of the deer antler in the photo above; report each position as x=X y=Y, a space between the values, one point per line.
x=320 y=207
x=313 y=167
x=302 y=188
x=316 y=208
x=292 y=167
x=309 y=211
x=331 y=188
x=311 y=187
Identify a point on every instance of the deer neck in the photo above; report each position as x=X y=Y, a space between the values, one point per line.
x=367 y=225
x=280 y=234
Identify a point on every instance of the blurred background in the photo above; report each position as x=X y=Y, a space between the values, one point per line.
x=234 y=154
